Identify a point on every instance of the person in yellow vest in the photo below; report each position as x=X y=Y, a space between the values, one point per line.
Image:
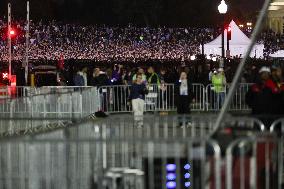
x=219 y=87
x=152 y=77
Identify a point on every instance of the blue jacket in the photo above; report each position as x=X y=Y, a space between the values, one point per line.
x=79 y=80
x=138 y=91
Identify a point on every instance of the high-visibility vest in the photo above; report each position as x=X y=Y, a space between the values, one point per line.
x=218 y=82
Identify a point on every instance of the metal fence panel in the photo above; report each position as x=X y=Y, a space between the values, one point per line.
x=114 y=99
x=109 y=164
x=62 y=103
x=215 y=100
x=252 y=163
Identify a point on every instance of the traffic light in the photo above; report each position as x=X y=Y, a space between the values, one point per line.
x=12 y=33
x=229 y=33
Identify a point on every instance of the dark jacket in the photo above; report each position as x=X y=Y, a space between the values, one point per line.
x=260 y=98
x=183 y=101
x=79 y=80
x=189 y=90
x=101 y=80
x=138 y=91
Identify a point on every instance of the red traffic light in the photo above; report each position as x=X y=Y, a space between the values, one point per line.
x=229 y=28
x=229 y=33
x=12 y=33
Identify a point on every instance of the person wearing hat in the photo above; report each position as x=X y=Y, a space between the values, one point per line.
x=259 y=97
x=219 y=87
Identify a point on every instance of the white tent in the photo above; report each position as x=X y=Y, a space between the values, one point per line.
x=278 y=54
x=238 y=44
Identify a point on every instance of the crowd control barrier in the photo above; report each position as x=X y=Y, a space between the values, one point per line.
x=45 y=107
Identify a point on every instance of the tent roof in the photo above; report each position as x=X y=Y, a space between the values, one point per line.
x=237 y=37
x=278 y=54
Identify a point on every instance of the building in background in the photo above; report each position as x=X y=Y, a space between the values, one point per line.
x=275 y=19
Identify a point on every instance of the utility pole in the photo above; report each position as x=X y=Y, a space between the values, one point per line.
x=9 y=42
x=27 y=43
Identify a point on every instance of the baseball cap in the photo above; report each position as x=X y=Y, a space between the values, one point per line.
x=264 y=69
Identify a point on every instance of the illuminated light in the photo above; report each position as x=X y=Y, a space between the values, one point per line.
x=187 y=175
x=223 y=7
x=208 y=57
x=186 y=167
x=187 y=184
x=241 y=25
x=249 y=24
x=192 y=57
x=12 y=32
x=5 y=75
x=214 y=59
x=171 y=185
x=229 y=28
x=171 y=167
x=171 y=176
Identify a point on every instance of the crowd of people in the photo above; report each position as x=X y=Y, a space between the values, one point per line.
x=265 y=97
x=53 y=40
x=72 y=41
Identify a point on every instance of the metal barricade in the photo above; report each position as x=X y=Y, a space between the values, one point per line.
x=215 y=100
x=45 y=108
x=94 y=155
x=254 y=163
x=277 y=127
x=7 y=92
x=114 y=99
x=174 y=126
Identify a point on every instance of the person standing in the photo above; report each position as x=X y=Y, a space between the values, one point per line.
x=153 y=77
x=219 y=83
x=79 y=79
x=183 y=97
x=138 y=91
x=259 y=97
x=85 y=76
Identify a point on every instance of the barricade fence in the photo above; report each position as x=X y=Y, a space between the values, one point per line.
x=100 y=155
x=255 y=162
x=61 y=104
x=114 y=99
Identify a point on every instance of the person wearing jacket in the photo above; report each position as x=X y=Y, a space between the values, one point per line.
x=138 y=91
x=79 y=78
x=183 y=97
x=260 y=97
x=219 y=83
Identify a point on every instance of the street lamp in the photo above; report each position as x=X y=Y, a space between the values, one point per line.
x=222 y=8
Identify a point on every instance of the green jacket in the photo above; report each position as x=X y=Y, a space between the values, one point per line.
x=219 y=83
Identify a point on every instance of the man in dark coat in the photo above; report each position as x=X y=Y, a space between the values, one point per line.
x=183 y=97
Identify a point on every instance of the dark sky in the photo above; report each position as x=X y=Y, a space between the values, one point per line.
x=140 y=12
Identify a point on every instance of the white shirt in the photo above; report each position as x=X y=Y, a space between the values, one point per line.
x=183 y=89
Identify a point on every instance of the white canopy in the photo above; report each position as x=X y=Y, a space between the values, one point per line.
x=238 y=44
x=278 y=54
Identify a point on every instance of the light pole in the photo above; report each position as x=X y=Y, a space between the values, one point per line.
x=9 y=42
x=222 y=8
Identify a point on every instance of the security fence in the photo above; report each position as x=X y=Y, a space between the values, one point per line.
x=114 y=98
x=162 y=98
x=112 y=153
x=46 y=106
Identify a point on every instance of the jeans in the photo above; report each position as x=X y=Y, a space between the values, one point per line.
x=138 y=110
x=219 y=100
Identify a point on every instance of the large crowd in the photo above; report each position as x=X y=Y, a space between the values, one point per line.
x=72 y=41
x=52 y=40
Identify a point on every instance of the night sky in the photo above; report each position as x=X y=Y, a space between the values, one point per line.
x=140 y=12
